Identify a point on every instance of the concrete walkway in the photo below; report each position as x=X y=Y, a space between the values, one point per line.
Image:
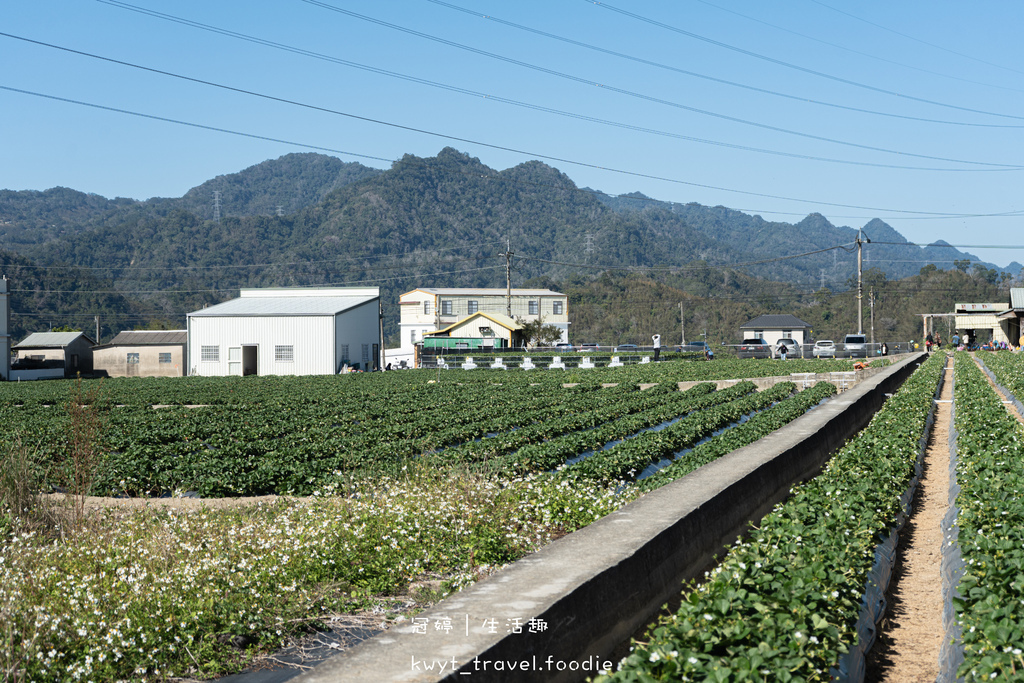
x=563 y=613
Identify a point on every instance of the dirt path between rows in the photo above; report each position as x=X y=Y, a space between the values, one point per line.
x=907 y=650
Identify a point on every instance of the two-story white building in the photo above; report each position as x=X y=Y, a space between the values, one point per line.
x=428 y=309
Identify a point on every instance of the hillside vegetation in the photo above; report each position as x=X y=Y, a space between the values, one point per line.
x=310 y=219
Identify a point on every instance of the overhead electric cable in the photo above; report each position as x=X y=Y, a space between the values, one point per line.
x=860 y=53
x=647 y=98
x=558 y=112
x=179 y=122
x=231 y=289
x=694 y=74
x=772 y=60
x=593 y=266
x=548 y=157
x=936 y=46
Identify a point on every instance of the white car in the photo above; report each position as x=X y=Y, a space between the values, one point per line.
x=793 y=349
x=824 y=348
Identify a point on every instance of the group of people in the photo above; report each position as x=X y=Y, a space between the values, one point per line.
x=935 y=342
x=958 y=342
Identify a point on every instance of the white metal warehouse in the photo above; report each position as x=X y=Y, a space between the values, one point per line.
x=287 y=331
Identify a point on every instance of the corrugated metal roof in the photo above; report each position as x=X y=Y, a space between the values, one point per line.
x=54 y=340
x=149 y=337
x=1017 y=297
x=775 y=322
x=469 y=291
x=269 y=306
x=496 y=318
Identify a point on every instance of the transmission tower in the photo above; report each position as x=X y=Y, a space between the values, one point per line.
x=216 y=205
x=589 y=248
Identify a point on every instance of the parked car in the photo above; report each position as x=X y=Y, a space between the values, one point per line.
x=692 y=347
x=563 y=346
x=855 y=346
x=626 y=348
x=824 y=348
x=793 y=349
x=588 y=346
x=755 y=347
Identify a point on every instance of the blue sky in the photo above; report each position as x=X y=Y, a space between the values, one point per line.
x=909 y=112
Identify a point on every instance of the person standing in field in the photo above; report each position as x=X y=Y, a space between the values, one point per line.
x=657 y=346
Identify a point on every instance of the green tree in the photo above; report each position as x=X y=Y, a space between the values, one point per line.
x=536 y=333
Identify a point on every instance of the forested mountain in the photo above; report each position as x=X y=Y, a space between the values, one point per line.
x=30 y=218
x=68 y=296
x=438 y=221
x=284 y=185
x=279 y=186
x=888 y=250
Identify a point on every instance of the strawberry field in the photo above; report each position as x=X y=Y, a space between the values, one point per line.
x=989 y=592
x=788 y=603
x=277 y=435
x=413 y=475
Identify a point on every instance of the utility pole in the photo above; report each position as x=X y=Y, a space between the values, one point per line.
x=871 y=298
x=682 y=325
x=97 y=329
x=508 y=277
x=860 y=281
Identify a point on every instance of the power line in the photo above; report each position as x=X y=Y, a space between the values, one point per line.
x=194 y=125
x=943 y=48
x=713 y=79
x=641 y=96
x=869 y=55
x=558 y=112
x=684 y=267
x=231 y=289
x=548 y=157
x=788 y=65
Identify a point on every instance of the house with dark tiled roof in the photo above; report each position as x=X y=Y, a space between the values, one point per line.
x=774 y=327
x=143 y=353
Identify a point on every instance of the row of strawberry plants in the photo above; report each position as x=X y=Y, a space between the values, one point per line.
x=758 y=426
x=555 y=452
x=630 y=457
x=784 y=603
x=989 y=455
x=366 y=387
x=231 y=451
x=1008 y=368
x=620 y=417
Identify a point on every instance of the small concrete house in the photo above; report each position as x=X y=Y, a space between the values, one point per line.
x=72 y=349
x=478 y=331
x=774 y=327
x=287 y=331
x=142 y=353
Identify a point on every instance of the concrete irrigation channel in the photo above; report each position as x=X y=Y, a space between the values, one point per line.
x=567 y=611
